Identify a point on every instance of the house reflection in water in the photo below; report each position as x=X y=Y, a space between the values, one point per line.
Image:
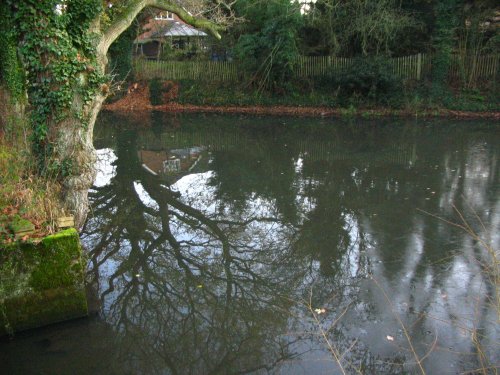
x=170 y=162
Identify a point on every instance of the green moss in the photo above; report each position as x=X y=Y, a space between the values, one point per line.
x=43 y=308
x=59 y=252
x=41 y=283
x=18 y=224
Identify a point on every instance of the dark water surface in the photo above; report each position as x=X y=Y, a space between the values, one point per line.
x=228 y=245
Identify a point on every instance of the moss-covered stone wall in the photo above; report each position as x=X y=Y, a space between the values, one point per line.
x=42 y=283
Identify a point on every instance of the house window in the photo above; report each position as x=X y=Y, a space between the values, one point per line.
x=164 y=16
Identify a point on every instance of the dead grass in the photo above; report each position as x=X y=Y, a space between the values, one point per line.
x=23 y=194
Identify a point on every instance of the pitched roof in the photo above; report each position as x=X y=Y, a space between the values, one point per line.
x=177 y=29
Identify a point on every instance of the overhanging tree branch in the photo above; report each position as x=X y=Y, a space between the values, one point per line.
x=135 y=7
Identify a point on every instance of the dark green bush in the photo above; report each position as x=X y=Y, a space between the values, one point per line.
x=162 y=92
x=155 y=91
x=366 y=80
x=267 y=47
x=475 y=100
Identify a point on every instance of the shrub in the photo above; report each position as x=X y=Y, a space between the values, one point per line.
x=162 y=92
x=155 y=91
x=366 y=79
x=267 y=48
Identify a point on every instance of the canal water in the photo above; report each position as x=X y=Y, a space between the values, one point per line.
x=255 y=245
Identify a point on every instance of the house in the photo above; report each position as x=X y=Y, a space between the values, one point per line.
x=165 y=35
x=170 y=163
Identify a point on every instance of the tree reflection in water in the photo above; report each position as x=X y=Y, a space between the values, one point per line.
x=210 y=270
x=186 y=285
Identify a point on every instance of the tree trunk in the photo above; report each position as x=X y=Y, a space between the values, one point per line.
x=74 y=142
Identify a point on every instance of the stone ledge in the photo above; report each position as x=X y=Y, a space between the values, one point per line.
x=42 y=283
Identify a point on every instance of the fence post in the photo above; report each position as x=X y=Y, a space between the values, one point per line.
x=419 y=66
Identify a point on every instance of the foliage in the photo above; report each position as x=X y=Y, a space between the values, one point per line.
x=355 y=27
x=446 y=23
x=111 y=13
x=476 y=36
x=386 y=91
x=11 y=72
x=59 y=57
x=155 y=91
x=267 y=46
x=475 y=100
x=161 y=92
x=444 y=28
x=366 y=80
x=230 y=94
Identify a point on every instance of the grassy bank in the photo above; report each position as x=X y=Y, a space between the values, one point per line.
x=28 y=203
x=409 y=96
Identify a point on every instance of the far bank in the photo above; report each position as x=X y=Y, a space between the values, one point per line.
x=178 y=97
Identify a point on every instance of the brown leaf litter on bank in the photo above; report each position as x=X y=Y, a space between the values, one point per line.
x=136 y=99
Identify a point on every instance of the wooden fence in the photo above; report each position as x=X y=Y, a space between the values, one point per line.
x=407 y=67
x=197 y=70
x=474 y=67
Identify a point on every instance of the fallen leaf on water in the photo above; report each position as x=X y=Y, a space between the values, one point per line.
x=320 y=311
x=390 y=338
